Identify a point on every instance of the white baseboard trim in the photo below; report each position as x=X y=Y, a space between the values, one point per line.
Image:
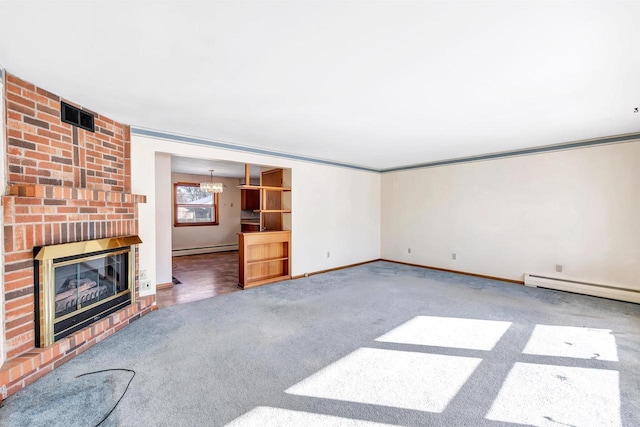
x=205 y=249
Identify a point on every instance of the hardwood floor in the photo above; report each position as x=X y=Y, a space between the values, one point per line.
x=202 y=276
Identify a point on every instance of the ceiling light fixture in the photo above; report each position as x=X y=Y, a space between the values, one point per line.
x=212 y=187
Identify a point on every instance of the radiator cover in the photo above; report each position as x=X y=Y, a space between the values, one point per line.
x=611 y=292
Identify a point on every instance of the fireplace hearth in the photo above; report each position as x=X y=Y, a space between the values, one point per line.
x=79 y=283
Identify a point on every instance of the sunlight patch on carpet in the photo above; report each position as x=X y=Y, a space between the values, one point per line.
x=568 y=341
x=546 y=395
x=265 y=416
x=400 y=379
x=472 y=334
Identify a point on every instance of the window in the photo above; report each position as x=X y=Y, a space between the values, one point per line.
x=193 y=206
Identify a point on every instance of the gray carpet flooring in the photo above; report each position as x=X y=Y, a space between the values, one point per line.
x=308 y=352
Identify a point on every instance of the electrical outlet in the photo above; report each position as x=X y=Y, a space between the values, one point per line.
x=454 y=256
x=145 y=285
x=558 y=268
x=328 y=254
x=408 y=250
x=143 y=274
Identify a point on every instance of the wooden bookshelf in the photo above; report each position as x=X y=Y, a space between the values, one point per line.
x=272 y=198
x=264 y=258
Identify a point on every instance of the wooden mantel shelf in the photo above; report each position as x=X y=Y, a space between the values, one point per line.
x=72 y=193
x=264 y=257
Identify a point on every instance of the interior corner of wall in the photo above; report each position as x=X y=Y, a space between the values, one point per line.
x=3 y=185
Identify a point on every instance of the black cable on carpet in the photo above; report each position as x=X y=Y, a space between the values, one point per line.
x=123 y=393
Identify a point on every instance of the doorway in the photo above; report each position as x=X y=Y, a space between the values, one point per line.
x=205 y=258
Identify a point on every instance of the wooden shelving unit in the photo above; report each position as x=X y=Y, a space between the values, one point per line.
x=264 y=258
x=263 y=196
x=262 y=261
x=271 y=198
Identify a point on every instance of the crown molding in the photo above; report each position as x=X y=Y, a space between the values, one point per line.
x=493 y=156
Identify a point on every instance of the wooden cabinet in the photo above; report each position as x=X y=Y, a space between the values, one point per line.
x=264 y=258
x=249 y=228
x=272 y=178
x=250 y=200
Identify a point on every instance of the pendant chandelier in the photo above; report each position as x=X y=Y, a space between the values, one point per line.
x=212 y=187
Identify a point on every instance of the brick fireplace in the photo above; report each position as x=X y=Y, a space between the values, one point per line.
x=65 y=184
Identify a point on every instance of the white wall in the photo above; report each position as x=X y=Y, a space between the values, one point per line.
x=578 y=208
x=163 y=216
x=144 y=181
x=335 y=209
x=225 y=233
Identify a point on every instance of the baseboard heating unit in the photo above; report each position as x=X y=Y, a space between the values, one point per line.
x=205 y=249
x=579 y=287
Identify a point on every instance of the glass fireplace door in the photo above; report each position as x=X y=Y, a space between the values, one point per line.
x=82 y=283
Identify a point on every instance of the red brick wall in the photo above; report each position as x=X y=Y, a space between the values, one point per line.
x=41 y=149
x=66 y=184
x=38 y=215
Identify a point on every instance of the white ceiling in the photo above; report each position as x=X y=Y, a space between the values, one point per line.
x=377 y=84
x=220 y=168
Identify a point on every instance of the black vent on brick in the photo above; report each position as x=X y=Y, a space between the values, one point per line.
x=77 y=117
